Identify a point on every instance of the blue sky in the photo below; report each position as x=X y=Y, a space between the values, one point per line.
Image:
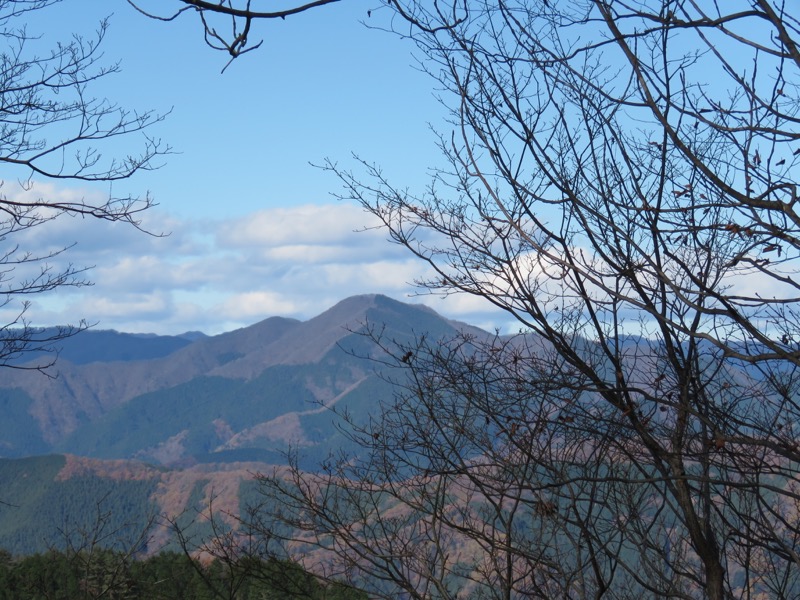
x=254 y=230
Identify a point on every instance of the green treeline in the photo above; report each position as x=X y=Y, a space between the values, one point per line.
x=171 y=575
x=38 y=512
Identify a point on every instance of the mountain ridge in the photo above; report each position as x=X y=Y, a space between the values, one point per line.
x=166 y=425
x=263 y=385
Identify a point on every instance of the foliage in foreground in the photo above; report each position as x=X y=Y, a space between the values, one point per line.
x=171 y=575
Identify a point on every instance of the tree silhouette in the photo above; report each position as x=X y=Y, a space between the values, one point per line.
x=237 y=18
x=53 y=128
x=622 y=181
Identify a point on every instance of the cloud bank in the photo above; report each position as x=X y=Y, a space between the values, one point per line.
x=215 y=275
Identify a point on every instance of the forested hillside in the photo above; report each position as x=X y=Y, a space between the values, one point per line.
x=250 y=394
x=64 y=501
x=167 y=576
x=211 y=412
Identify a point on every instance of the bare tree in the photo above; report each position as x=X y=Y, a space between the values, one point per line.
x=102 y=553
x=623 y=181
x=487 y=476
x=53 y=128
x=238 y=562
x=235 y=17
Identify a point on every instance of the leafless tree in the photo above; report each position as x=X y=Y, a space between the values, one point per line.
x=227 y=24
x=242 y=562
x=622 y=180
x=624 y=183
x=53 y=128
x=487 y=476
x=223 y=556
x=103 y=553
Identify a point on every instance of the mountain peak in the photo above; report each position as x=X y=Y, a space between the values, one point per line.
x=47 y=411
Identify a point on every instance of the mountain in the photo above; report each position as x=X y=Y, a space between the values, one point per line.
x=248 y=394
x=129 y=426
x=109 y=345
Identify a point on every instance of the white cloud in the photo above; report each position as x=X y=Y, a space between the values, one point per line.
x=217 y=275
x=255 y=306
x=309 y=225
x=123 y=306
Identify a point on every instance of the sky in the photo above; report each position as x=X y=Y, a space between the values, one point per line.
x=254 y=229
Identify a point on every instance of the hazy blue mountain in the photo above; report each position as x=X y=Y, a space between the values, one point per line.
x=208 y=411
x=108 y=345
x=248 y=394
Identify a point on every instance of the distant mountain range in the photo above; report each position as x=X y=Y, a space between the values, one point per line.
x=155 y=424
x=248 y=394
